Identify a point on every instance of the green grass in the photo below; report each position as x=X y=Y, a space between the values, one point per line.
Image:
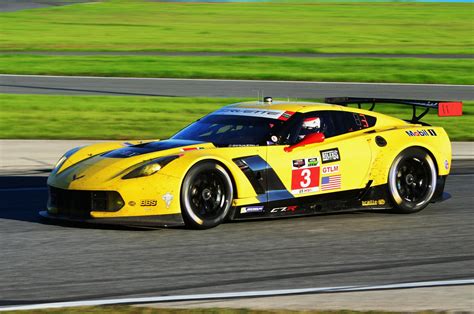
x=319 y=27
x=457 y=71
x=99 y=117
x=114 y=117
x=277 y=27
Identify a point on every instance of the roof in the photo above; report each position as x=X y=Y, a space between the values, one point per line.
x=304 y=107
x=296 y=106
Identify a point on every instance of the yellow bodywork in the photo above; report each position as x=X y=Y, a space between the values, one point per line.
x=361 y=160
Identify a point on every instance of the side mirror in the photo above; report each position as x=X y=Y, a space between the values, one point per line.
x=309 y=139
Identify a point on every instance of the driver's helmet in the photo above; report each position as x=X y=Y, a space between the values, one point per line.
x=313 y=124
x=310 y=125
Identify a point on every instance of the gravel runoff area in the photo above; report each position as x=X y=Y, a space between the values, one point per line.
x=452 y=299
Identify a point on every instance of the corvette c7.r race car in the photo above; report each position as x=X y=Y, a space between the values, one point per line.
x=260 y=159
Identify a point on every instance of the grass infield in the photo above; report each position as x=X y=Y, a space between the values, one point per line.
x=445 y=71
x=128 y=25
x=116 y=117
x=309 y=27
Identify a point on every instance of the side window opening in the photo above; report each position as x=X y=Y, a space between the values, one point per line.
x=329 y=122
x=315 y=122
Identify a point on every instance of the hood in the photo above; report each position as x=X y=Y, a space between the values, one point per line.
x=146 y=148
x=107 y=166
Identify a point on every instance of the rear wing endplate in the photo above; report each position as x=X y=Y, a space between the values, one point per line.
x=445 y=108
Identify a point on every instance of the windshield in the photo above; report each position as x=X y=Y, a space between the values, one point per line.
x=231 y=130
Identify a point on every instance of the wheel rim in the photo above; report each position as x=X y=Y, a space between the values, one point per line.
x=207 y=195
x=413 y=180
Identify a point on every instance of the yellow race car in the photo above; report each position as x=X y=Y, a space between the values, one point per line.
x=260 y=159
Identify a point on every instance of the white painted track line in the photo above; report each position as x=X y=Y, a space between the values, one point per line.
x=223 y=80
x=230 y=295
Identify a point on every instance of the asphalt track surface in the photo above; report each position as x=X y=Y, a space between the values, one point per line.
x=42 y=262
x=17 y=5
x=77 y=85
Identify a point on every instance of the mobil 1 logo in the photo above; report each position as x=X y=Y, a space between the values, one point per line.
x=330 y=155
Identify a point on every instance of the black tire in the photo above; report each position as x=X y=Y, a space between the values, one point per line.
x=206 y=195
x=412 y=180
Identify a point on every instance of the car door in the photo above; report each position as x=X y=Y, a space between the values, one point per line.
x=340 y=163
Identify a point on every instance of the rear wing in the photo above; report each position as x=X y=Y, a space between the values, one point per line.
x=445 y=108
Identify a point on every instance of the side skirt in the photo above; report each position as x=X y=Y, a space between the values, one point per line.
x=368 y=198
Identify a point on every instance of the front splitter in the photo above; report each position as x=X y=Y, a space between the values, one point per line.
x=173 y=220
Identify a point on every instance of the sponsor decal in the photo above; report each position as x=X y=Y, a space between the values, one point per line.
x=305 y=175
x=284 y=209
x=148 y=202
x=423 y=132
x=242 y=145
x=331 y=183
x=286 y=115
x=298 y=163
x=330 y=155
x=132 y=203
x=330 y=169
x=313 y=162
x=251 y=209
x=168 y=197
x=373 y=202
x=187 y=149
x=369 y=203
x=251 y=112
x=446 y=165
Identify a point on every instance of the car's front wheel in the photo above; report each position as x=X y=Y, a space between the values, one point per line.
x=412 y=180
x=206 y=195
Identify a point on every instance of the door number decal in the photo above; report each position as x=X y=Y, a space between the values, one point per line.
x=305 y=175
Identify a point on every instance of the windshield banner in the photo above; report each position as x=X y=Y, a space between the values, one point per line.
x=254 y=112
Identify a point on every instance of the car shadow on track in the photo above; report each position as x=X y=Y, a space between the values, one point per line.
x=24 y=196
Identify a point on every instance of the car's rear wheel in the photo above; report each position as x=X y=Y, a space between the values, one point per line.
x=206 y=195
x=412 y=180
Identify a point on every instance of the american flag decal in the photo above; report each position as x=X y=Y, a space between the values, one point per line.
x=331 y=183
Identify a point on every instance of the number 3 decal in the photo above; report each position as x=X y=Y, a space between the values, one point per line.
x=306 y=174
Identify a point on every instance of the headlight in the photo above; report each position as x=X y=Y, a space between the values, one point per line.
x=61 y=160
x=150 y=167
